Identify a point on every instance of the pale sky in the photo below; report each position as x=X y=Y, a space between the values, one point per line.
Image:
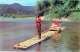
x=22 y=2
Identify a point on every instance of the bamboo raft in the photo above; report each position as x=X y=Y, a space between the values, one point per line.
x=34 y=40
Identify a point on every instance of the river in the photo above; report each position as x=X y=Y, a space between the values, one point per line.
x=17 y=31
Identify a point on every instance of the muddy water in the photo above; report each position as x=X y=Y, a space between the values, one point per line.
x=14 y=32
x=71 y=36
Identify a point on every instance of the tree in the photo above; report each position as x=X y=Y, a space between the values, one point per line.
x=42 y=7
x=57 y=8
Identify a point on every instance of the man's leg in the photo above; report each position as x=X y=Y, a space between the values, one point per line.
x=39 y=32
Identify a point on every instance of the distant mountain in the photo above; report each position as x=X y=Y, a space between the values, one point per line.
x=16 y=9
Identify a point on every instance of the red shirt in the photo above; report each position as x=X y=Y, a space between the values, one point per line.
x=38 y=22
x=55 y=24
x=38 y=19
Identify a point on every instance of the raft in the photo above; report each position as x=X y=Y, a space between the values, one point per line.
x=34 y=40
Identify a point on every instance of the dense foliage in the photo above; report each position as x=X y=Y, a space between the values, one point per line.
x=57 y=8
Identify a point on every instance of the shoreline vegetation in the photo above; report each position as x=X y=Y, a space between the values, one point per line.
x=9 y=19
x=72 y=17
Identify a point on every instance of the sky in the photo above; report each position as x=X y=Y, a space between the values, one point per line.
x=22 y=2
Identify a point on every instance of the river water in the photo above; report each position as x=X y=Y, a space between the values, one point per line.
x=17 y=31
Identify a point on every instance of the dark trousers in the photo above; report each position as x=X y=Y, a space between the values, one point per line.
x=38 y=25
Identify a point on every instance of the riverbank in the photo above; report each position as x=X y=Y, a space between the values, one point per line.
x=14 y=19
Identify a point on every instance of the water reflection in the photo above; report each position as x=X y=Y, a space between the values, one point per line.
x=56 y=39
x=74 y=42
x=38 y=49
x=72 y=37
